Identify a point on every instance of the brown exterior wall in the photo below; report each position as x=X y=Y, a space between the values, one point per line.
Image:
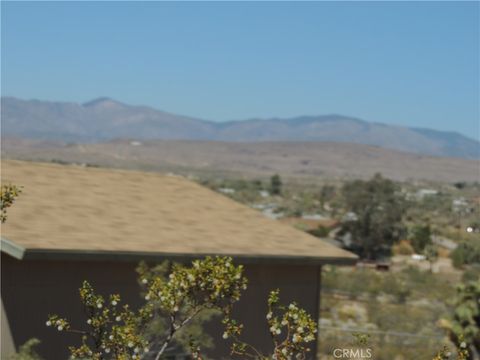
x=33 y=289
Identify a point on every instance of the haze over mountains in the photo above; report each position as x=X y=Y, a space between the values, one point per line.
x=105 y=119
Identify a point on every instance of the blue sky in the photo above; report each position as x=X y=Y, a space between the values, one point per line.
x=407 y=63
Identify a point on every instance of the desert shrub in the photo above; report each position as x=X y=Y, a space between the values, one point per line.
x=403 y=247
x=27 y=351
x=320 y=231
x=471 y=273
x=466 y=253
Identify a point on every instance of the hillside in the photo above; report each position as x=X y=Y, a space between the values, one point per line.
x=290 y=159
x=106 y=119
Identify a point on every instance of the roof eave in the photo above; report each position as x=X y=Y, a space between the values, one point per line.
x=20 y=253
x=13 y=249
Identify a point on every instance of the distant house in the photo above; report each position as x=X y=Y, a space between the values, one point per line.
x=73 y=223
x=422 y=193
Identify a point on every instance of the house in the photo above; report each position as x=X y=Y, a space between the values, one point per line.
x=74 y=223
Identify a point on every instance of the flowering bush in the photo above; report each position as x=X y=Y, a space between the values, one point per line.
x=464 y=326
x=115 y=331
x=8 y=193
x=290 y=327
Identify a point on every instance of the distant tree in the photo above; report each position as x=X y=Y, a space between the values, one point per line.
x=431 y=254
x=378 y=210
x=460 y=185
x=421 y=237
x=257 y=184
x=276 y=185
x=327 y=193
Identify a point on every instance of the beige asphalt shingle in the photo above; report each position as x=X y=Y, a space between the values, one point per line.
x=76 y=208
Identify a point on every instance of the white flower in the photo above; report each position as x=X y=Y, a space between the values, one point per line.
x=48 y=323
x=89 y=321
x=175 y=308
x=284 y=322
x=309 y=338
x=284 y=351
x=111 y=337
x=144 y=281
x=107 y=350
x=60 y=328
x=134 y=356
x=269 y=316
x=146 y=350
x=99 y=305
x=278 y=331
x=136 y=350
x=191 y=277
x=171 y=276
x=147 y=297
x=300 y=329
x=130 y=344
x=292 y=307
x=225 y=335
x=463 y=345
x=295 y=338
x=118 y=318
x=114 y=302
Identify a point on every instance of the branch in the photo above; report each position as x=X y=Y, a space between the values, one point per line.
x=77 y=332
x=174 y=328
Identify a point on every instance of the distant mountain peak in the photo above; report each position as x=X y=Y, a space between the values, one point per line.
x=103 y=102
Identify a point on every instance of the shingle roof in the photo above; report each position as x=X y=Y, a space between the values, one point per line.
x=75 y=211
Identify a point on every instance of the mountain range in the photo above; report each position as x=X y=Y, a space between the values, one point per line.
x=105 y=119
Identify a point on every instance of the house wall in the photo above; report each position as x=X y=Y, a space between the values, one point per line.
x=33 y=289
